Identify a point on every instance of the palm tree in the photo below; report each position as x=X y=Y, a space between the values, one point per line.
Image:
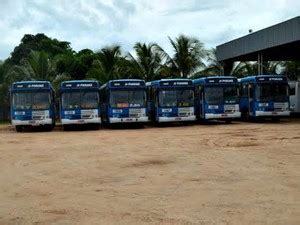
x=291 y=69
x=187 y=58
x=242 y=69
x=38 y=66
x=212 y=68
x=148 y=60
x=110 y=58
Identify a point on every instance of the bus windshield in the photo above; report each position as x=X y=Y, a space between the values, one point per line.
x=31 y=100
x=176 y=98
x=221 y=95
x=272 y=92
x=80 y=100
x=127 y=98
x=231 y=95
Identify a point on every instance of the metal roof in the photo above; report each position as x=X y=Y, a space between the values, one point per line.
x=278 y=42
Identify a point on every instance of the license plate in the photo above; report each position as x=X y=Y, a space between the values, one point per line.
x=128 y=120
x=81 y=121
x=224 y=115
x=178 y=118
x=274 y=113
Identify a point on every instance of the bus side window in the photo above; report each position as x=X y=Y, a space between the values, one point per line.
x=197 y=91
x=201 y=91
x=292 y=90
x=149 y=93
x=244 y=90
x=152 y=94
x=103 y=96
x=250 y=88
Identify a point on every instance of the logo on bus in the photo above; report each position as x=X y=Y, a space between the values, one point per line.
x=270 y=79
x=36 y=85
x=84 y=85
x=132 y=84
x=175 y=83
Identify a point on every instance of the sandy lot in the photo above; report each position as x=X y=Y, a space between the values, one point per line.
x=243 y=173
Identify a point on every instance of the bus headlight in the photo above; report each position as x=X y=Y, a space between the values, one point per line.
x=19 y=113
x=166 y=110
x=263 y=104
x=70 y=112
x=117 y=110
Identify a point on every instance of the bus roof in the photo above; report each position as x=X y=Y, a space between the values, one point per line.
x=215 y=80
x=264 y=79
x=179 y=82
x=79 y=84
x=31 y=85
x=124 y=83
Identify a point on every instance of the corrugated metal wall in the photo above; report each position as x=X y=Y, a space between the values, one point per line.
x=279 y=34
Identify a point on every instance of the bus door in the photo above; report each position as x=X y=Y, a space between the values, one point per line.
x=251 y=99
x=103 y=96
x=202 y=102
x=156 y=105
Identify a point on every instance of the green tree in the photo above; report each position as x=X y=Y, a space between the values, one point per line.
x=38 y=66
x=109 y=65
x=1 y=71
x=212 y=67
x=188 y=56
x=291 y=69
x=147 y=63
x=110 y=58
x=38 y=42
x=241 y=69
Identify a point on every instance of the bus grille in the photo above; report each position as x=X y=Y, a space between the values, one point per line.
x=280 y=106
x=231 y=108
x=184 y=112
x=39 y=115
x=135 y=113
x=87 y=114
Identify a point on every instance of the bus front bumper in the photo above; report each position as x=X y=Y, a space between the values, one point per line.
x=81 y=121
x=234 y=115
x=176 y=119
x=32 y=122
x=272 y=113
x=129 y=120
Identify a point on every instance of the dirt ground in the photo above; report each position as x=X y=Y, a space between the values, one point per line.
x=242 y=173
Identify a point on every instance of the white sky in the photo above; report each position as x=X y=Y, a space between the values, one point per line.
x=94 y=24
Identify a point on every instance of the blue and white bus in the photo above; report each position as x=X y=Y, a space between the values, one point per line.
x=217 y=97
x=171 y=100
x=79 y=102
x=32 y=104
x=264 y=96
x=124 y=101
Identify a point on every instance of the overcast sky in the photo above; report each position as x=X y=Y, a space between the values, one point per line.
x=96 y=23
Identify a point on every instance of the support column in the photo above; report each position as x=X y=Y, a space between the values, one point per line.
x=260 y=64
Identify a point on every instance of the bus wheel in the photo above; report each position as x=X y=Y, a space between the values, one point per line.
x=49 y=127
x=245 y=115
x=95 y=126
x=228 y=121
x=66 y=127
x=275 y=119
x=19 y=128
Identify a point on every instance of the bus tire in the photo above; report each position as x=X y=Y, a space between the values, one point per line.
x=49 y=127
x=66 y=127
x=19 y=128
x=228 y=121
x=275 y=119
x=245 y=115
